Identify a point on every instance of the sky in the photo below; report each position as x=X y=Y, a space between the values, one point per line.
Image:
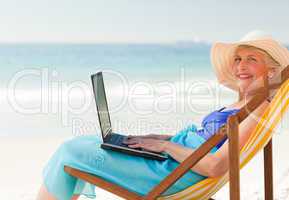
x=140 y=21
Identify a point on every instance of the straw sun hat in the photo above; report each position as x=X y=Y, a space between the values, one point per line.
x=222 y=55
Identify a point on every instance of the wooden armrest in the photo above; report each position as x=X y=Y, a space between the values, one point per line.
x=187 y=164
x=100 y=182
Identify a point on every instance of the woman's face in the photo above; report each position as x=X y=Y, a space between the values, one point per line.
x=249 y=66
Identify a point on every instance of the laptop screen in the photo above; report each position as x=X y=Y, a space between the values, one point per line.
x=101 y=103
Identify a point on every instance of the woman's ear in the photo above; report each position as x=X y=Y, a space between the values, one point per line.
x=271 y=72
x=270 y=75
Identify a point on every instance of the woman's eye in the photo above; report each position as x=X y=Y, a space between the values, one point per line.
x=252 y=59
x=237 y=59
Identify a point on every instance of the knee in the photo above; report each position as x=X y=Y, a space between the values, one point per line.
x=69 y=146
x=80 y=147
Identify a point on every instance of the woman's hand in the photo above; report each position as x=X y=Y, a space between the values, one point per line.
x=146 y=143
x=150 y=136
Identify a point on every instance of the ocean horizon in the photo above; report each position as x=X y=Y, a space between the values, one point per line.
x=53 y=76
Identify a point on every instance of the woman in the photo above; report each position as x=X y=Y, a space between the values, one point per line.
x=240 y=66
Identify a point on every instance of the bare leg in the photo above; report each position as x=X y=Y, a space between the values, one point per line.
x=75 y=197
x=43 y=194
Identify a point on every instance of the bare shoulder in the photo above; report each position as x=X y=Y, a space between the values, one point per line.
x=246 y=126
x=240 y=104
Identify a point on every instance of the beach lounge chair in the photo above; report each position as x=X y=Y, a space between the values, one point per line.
x=261 y=138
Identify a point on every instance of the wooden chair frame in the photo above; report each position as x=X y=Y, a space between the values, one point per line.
x=230 y=130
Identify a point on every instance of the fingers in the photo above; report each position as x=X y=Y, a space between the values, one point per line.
x=145 y=145
x=129 y=137
x=137 y=145
x=139 y=136
x=134 y=143
x=131 y=140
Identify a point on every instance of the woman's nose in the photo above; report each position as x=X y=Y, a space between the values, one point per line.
x=242 y=65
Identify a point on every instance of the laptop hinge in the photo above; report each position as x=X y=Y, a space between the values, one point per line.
x=109 y=131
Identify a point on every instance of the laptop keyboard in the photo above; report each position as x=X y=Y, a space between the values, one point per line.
x=116 y=139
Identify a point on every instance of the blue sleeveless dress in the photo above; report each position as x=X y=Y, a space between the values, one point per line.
x=134 y=173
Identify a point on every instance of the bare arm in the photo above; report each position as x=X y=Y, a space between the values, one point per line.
x=162 y=137
x=216 y=164
x=245 y=129
x=180 y=153
x=211 y=165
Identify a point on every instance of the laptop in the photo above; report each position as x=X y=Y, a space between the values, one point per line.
x=111 y=140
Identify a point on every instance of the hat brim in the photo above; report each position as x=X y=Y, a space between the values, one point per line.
x=222 y=54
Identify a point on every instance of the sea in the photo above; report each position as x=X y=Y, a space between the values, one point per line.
x=53 y=80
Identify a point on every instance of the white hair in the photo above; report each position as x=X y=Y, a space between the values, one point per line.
x=269 y=60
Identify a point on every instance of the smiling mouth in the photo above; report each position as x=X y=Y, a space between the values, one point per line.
x=244 y=76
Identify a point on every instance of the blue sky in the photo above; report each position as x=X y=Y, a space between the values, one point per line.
x=140 y=20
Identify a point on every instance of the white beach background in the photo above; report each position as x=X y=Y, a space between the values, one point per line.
x=24 y=155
